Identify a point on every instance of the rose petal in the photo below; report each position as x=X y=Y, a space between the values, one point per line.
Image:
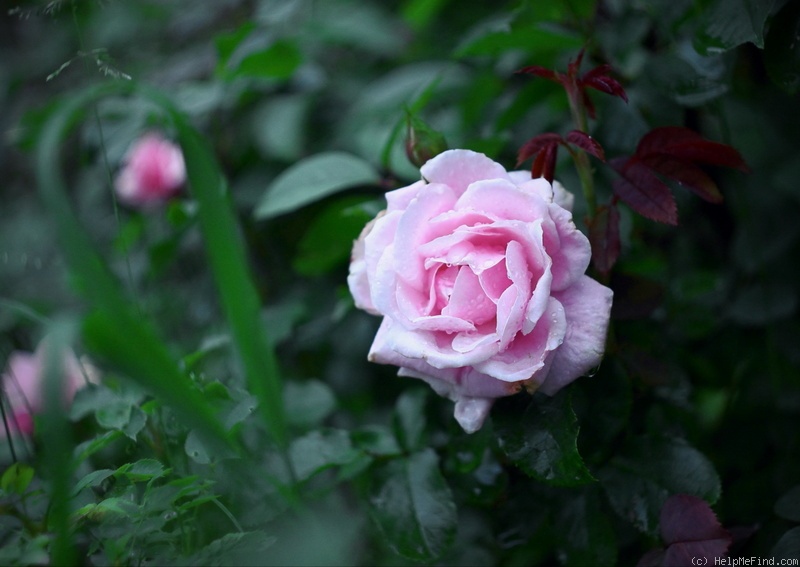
x=562 y=197
x=528 y=356
x=460 y=168
x=502 y=200
x=567 y=246
x=430 y=347
x=399 y=199
x=414 y=229
x=513 y=302
x=587 y=305
x=468 y=301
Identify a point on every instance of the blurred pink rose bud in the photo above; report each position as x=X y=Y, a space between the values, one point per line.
x=23 y=385
x=153 y=172
x=479 y=275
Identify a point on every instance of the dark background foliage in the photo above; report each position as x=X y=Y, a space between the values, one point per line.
x=699 y=392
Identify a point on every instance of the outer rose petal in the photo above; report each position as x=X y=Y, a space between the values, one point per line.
x=460 y=168
x=587 y=305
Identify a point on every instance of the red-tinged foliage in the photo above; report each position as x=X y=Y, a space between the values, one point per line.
x=644 y=192
x=673 y=153
x=598 y=78
x=604 y=237
x=588 y=144
x=684 y=144
x=692 y=533
x=539 y=72
x=536 y=145
x=545 y=163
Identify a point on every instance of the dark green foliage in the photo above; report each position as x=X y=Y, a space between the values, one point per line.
x=237 y=420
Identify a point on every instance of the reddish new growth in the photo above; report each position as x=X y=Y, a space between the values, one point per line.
x=664 y=154
x=545 y=146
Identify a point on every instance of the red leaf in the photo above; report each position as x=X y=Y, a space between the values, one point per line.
x=686 y=174
x=646 y=194
x=545 y=163
x=691 y=531
x=586 y=143
x=539 y=72
x=588 y=105
x=600 y=79
x=688 y=518
x=685 y=144
x=604 y=237
x=536 y=144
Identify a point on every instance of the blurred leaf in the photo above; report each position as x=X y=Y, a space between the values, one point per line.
x=312 y=179
x=729 y=23
x=319 y=450
x=227 y=43
x=232 y=550
x=144 y=470
x=782 y=50
x=584 y=533
x=376 y=440
x=413 y=506
x=537 y=40
x=540 y=436
x=308 y=402
x=278 y=61
x=328 y=241
x=278 y=126
x=640 y=478
x=604 y=237
x=762 y=303
x=409 y=418
x=788 y=547
x=691 y=531
x=16 y=478
x=92 y=479
x=788 y=505
x=420 y=13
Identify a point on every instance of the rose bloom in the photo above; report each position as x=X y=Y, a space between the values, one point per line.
x=23 y=385
x=479 y=275
x=154 y=171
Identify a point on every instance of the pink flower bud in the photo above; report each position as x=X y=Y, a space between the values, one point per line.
x=154 y=171
x=23 y=385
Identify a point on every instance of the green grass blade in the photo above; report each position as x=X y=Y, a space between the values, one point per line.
x=115 y=328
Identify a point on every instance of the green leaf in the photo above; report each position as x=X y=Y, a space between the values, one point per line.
x=312 y=179
x=413 y=506
x=308 y=402
x=278 y=61
x=640 y=478
x=328 y=242
x=584 y=533
x=729 y=23
x=782 y=50
x=788 y=505
x=541 y=436
x=94 y=478
x=409 y=418
x=16 y=478
x=320 y=450
x=232 y=550
x=145 y=469
x=788 y=547
x=536 y=39
x=376 y=440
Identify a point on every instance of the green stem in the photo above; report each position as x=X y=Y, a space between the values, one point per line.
x=578 y=111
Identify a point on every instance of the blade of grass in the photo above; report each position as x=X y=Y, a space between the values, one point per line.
x=58 y=445
x=115 y=328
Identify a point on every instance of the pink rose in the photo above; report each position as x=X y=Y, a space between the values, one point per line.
x=154 y=171
x=479 y=275
x=23 y=385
